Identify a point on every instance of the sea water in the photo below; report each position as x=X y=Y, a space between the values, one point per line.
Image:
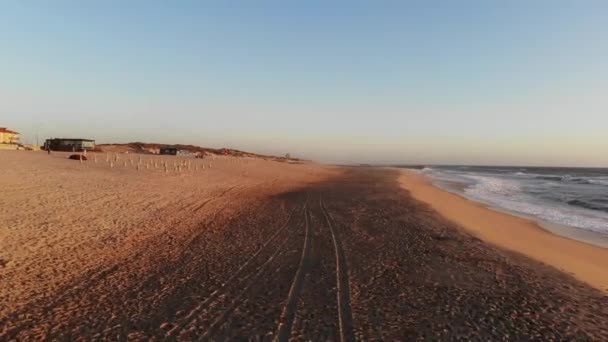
x=568 y=197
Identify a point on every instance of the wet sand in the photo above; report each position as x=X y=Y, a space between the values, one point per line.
x=254 y=249
x=586 y=262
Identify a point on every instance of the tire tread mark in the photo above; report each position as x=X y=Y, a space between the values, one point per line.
x=343 y=291
x=291 y=303
x=188 y=318
x=223 y=317
x=77 y=287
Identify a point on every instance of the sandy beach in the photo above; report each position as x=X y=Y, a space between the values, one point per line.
x=586 y=262
x=236 y=248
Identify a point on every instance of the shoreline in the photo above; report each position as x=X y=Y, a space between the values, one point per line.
x=153 y=243
x=585 y=261
x=578 y=234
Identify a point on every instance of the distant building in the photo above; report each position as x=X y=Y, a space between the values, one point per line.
x=63 y=144
x=8 y=137
x=171 y=151
x=186 y=153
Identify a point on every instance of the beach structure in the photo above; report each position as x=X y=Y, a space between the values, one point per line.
x=171 y=151
x=8 y=137
x=69 y=144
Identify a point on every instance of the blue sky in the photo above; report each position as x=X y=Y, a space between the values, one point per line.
x=460 y=82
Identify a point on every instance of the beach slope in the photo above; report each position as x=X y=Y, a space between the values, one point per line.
x=586 y=262
x=255 y=249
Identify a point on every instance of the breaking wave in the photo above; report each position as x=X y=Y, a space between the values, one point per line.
x=571 y=197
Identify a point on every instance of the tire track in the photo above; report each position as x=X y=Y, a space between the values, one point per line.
x=223 y=317
x=225 y=285
x=210 y=219
x=343 y=290
x=291 y=303
x=93 y=278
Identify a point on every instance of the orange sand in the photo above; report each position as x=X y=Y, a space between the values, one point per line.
x=61 y=219
x=586 y=262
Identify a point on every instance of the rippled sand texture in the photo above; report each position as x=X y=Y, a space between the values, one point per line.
x=257 y=249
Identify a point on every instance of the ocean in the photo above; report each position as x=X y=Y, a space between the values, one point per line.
x=575 y=198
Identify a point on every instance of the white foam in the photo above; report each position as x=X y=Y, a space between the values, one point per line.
x=598 y=181
x=507 y=194
x=413 y=170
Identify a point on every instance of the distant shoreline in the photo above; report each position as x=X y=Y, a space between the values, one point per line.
x=550 y=244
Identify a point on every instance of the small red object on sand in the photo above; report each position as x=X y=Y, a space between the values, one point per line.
x=78 y=157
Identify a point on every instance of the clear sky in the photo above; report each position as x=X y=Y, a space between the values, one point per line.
x=458 y=82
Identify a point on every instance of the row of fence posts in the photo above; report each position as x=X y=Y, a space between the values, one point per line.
x=180 y=166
